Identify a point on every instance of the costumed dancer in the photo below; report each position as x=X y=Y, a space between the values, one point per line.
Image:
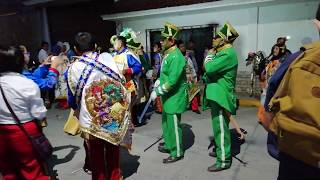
x=129 y=65
x=173 y=90
x=191 y=78
x=101 y=103
x=61 y=87
x=220 y=79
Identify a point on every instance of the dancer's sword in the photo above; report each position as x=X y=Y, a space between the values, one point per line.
x=158 y=140
x=144 y=111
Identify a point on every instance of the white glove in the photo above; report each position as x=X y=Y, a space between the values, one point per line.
x=156 y=84
x=149 y=74
x=153 y=95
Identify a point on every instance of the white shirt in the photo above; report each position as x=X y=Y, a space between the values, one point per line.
x=24 y=98
x=42 y=55
x=75 y=71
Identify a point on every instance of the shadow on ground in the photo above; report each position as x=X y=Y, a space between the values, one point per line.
x=187 y=136
x=129 y=163
x=54 y=160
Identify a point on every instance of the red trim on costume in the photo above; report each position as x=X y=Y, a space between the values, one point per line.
x=128 y=71
x=54 y=70
x=194 y=104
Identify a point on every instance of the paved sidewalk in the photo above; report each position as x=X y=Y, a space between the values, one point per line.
x=139 y=165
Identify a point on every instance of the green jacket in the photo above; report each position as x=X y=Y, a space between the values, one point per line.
x=220 y=78
x=173 y=87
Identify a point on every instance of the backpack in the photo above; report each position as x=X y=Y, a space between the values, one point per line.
x=296 y=105
x=273 y=84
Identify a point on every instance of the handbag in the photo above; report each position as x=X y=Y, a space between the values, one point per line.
x=72 y=126
x=40 y=143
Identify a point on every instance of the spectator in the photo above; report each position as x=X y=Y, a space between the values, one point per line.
x=274 y=63
x=57 y=48
x=194 y=90
x=294 y=113
x=68 y=51
x=281 y=41
x=144 y=58
x=156 y=59
x=192 y=53
x=17 y=156
x=26 y=55
x=44 y=52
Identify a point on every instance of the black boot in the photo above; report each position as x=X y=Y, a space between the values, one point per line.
x=214 y=168
x=163 y=149
x=196 y=111
x=213 y=154
x=171 y=159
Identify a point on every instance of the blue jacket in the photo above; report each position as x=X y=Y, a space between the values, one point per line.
x=133 y=63
x=70 y=54
x=43 y=76
x=71 y=97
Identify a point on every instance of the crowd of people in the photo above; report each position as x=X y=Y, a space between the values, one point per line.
x=108 y=90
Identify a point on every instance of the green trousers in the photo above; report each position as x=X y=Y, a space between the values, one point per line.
x=172 y=134
x=222 y=138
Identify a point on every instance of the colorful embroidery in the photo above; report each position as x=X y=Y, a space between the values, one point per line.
x=107 y=102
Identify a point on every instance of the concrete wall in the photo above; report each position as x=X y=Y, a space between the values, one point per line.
x=258 y=27
x=23 y=28
x=294 y=20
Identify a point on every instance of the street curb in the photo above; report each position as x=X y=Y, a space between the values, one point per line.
x=249 y=103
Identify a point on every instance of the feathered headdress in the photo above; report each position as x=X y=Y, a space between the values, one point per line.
x=131 y=38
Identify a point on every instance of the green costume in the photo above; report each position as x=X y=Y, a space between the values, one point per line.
x=220 y=78
x=174 y=96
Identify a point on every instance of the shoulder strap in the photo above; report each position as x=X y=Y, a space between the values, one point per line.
x=104 y=69
x=83 y=79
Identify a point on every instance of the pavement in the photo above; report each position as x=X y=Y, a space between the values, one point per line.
x=69 y=154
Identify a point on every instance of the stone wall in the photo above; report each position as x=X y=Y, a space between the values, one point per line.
x=243 y=85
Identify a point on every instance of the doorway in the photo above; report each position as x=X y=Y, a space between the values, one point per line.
x=196 y=38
